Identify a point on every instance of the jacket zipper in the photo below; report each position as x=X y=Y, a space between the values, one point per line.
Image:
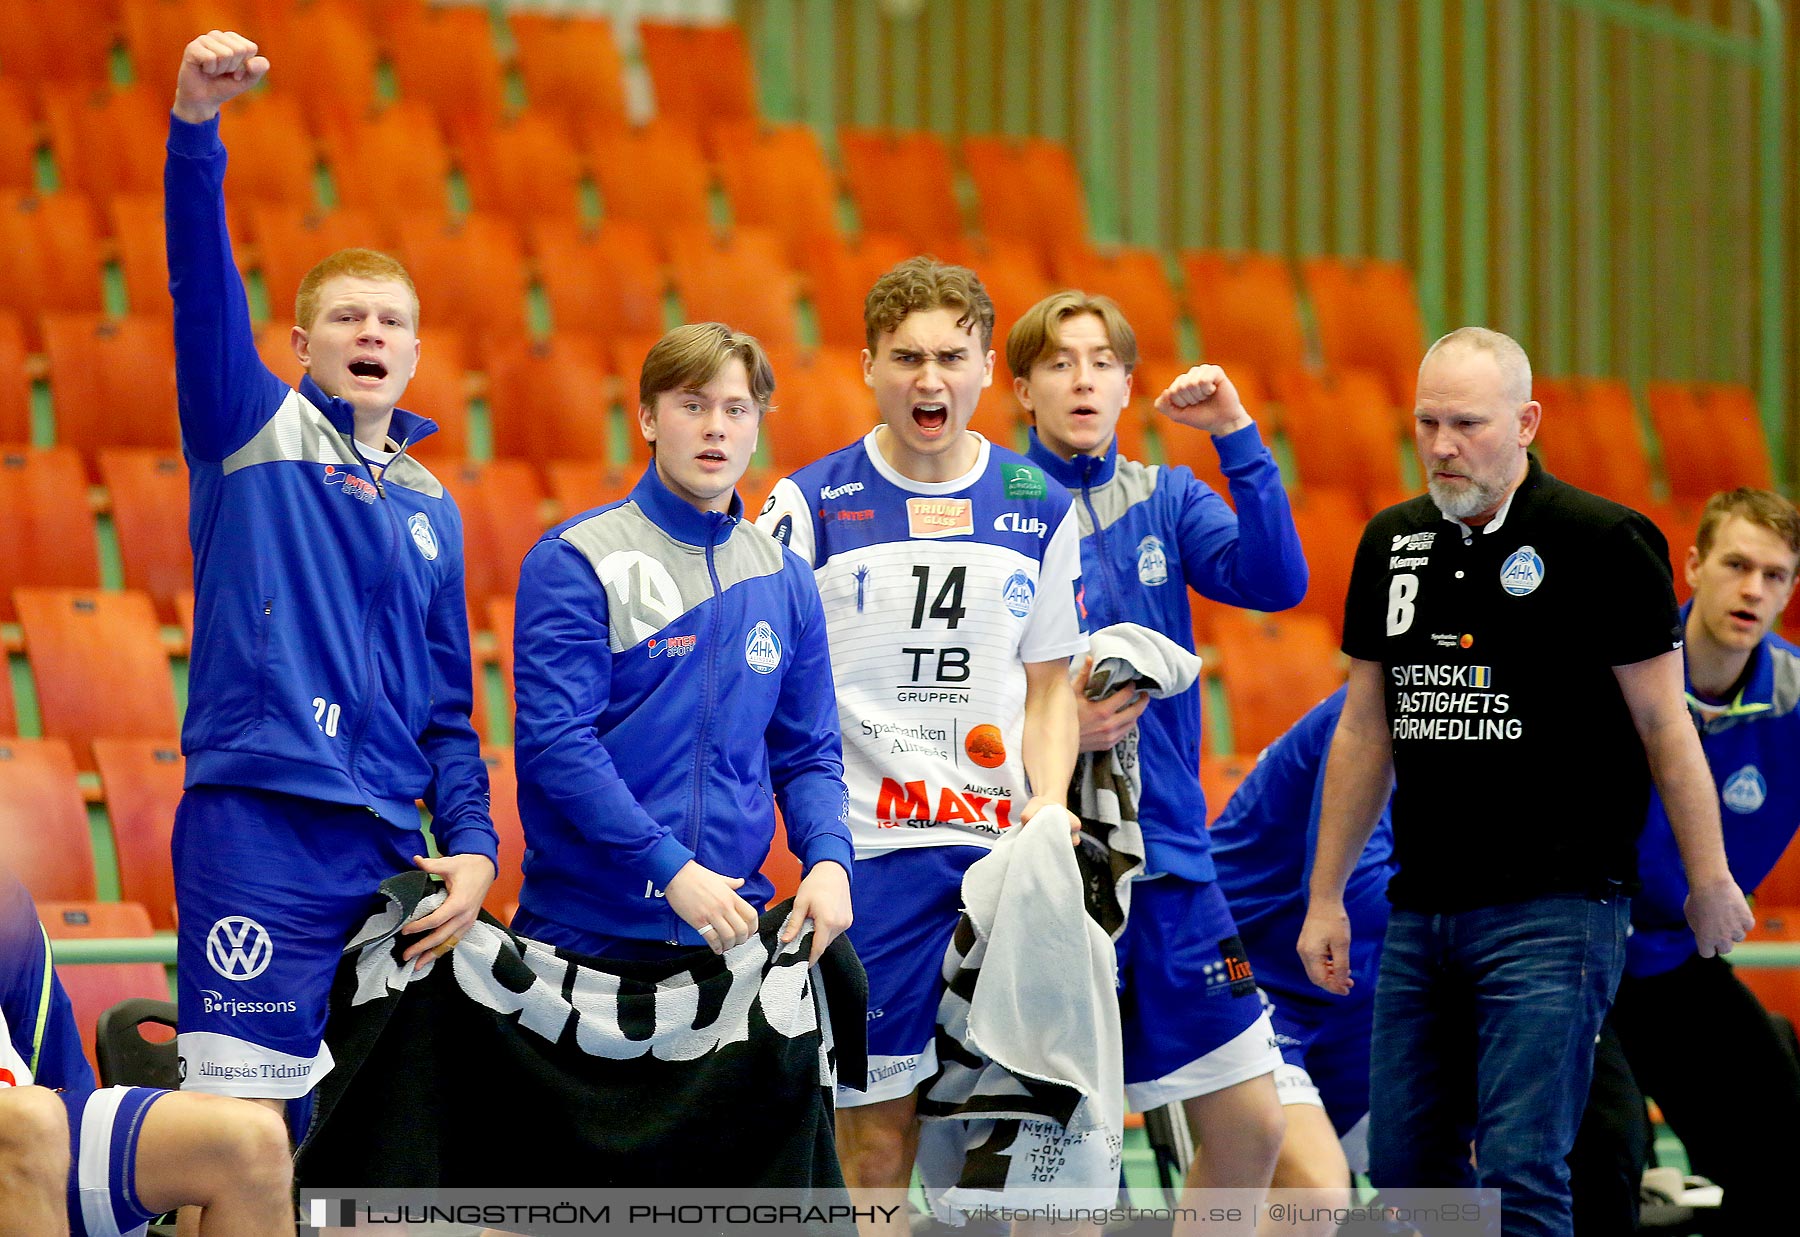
x=1106 y=565
x=696 y=810
x=380 y=594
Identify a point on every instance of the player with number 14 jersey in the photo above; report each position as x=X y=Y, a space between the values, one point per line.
x=935 y=595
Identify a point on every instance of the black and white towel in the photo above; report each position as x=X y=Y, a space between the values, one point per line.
x=1105 y=789
x=509 y=1063
x=1026 y=1108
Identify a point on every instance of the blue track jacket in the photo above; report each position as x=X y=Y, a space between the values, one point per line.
x=672 y=671
x=1753 y=749
x=1148 y=535
x=331 y=638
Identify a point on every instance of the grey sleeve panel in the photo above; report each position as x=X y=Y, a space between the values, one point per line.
x=1787 y=681
x=409 y=473
x=297 y=432
x=652 y=580
x=1132 y=484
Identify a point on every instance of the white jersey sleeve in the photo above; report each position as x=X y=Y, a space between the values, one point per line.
x=787 y=517
x=1057 y=628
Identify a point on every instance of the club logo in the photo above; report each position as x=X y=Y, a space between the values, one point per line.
x=238 y=948
x=1522 y=572
x=1014 y=522
x=1744 y=791
x=1017 y=593
x=1153 y=564
x=420 y=528
x=762 y=649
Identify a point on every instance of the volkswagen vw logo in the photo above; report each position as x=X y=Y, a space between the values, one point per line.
x=238 y=948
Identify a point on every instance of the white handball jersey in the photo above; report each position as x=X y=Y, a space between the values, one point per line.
x=936 y=595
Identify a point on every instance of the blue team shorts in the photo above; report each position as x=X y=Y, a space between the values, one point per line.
x=1324 y=1042
x=269 y=888
x=907 y=904
x=1192 y=1020
x=103 y=1142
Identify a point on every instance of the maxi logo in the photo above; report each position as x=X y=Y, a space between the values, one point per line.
x=238 y=948
x=913 y=805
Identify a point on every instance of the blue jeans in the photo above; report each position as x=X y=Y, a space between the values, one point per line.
x=1484 y=1029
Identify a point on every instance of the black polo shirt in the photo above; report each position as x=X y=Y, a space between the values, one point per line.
x=1518 y=771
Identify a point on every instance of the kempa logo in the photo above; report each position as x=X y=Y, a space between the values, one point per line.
x=238 y=948
x=838 y=491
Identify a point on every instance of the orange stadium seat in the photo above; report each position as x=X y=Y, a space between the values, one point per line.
x=65 y=44
x=1679 y=523
x=15 y=381
x=655 y=176
x=111 y=140
x=1330 y=524
x=273 y=155
x=50 y=540
x=1015 y=278
x=607 y=282
x=525 y=168
x=1220 y=776
x=777 y=178
x=699 y=74
x=1777 y=988
x=876 y=160
x=1246 y=308
x=444 y=56
x=1711 y=436
x=321 y=52
x=572 y=69
x=1342 y=429
x=1273 y=669
x=149 y=492
x=43 y=822
x=500 y=622
x=1137 y=279
x=50 y=256
x=503 y=787
x=18 y=139
x=781 y=866
x=839 y=274
x=1028 y=188
x=156 y=31
x=1591 y=425
x=96 y=987
x=112 y=381
x=291 y=239
x=821 y=404
x=742 y=279
x=628 y=353
x=439 y=391
x=579 y=485
x=138 y=243
x=547 y=400
x=1132 y=432
x=472 y=275
x=393 y=165
x=500 y=503
x=1368 y=318
x=141 y=779
x=68 y=632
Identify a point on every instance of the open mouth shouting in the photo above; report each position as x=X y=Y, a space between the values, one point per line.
x=368 y=371
x=931 y=418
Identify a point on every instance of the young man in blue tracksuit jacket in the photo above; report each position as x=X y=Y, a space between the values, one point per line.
x=1677 y=1011
x=1194 y=1028
x=672 y=672
x=1262 y=847
x=329 y=686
